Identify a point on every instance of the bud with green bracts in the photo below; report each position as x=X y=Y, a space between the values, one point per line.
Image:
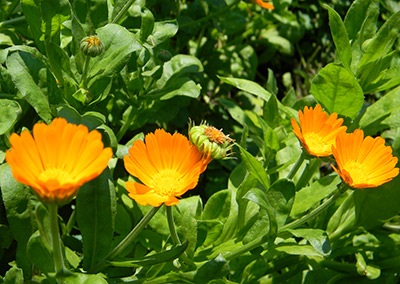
x=92 y=46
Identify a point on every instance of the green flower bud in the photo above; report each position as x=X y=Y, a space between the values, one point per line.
x=211 y=141
x=164 y=55
x=92 y=46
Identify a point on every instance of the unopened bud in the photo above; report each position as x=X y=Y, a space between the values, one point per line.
x=92 y=46
x=211 y=141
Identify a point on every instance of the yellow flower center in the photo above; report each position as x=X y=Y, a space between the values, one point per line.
x=316 y=143
x=166 y=182
x=53 y=178
x=357 y=172
x=215 y=135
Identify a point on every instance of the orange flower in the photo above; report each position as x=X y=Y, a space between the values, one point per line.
x=168 y=165
x=58 y=159
x=264 y=5
x=363 y=162
x=317 y=131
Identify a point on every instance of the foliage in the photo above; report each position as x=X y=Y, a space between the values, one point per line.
x=240 y=68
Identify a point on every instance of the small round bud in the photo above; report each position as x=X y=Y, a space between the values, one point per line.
x=164 y=55
x=211 y=141
x=92 y=46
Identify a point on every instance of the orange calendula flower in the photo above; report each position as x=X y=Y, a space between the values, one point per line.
x=317 y=131
x=58 y=159
x=363 y=162
x=167 y=164
x=265 y=5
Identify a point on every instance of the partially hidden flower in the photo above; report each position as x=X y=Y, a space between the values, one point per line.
x=168 y=165
x=363 y=162
x=210 y=141
x=264 y=4
x=92 y=46
x=57 y=159
x=317 y=131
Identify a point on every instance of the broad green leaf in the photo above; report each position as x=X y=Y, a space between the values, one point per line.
x=14 y=275
x=90 y=119
x=248 y=86
x=360 y=20
x=340 y=37
x=20 y=205
x=119 y=45
x=316 y=237
x=27 y=74
x=234 y=110
x=255 y=167
x=31 y=10
x=373 y=206
x=147 y=25
x=154 y=258
x=80 y=278
x=163 y=31
x=95 y=213
x=338 y=91
x=179 y=87
x=343 y=220
x=295 y=249
x=309 y=196
x=217 y=206
x=382 y=43
x=39 y=252
x=10 y=112
x=281 y=196
x=383 y=114
x=215 y=268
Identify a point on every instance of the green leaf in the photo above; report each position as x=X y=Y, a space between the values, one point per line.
x=95 y=213
x=39 y=252
x=154 y=258
x=254 y=167
x=31 y=10
x=370 y=271
x=147 y=25
x=80 y=278
x=340 y=37
x=10 y=112
x=295 y=249
x=179 y=87
x=309 y=196
x=316 y=237
x=20 y=205
x=360 y=20
x=215 y=268
x=26 y=72
x=234 y=110
x=119 y=44
x=163 y=31
x=338 y=91
x=383 y=114
x=247 y=86
x=281 y=196
x=14 y=275
x=382 y=43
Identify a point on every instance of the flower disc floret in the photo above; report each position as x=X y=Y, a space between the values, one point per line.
x=317 y=131
x=363 y=162
x=168 y=165
x=57 y=159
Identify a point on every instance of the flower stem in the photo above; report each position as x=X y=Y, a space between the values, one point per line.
x=85 y=72
x=122 y=12
x=325 y=205
x=133 y=234
x=296 y=166
x=58 y=258
x=175 y=237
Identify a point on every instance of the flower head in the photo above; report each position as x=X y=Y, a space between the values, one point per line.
x=210 y=141
x=167 y=164
x=363 y=162
x=92 y=46
x=57 y=159
x=317 y=131
x=264 y=5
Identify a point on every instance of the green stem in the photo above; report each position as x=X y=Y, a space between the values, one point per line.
x=122 y=12
x=58 y=258
x=325 y=205
x=175 y=237
x=85 y=72
x=296 y=166
x=13 y=21
x=127 y=124
x=133 y=234
x=70 y=223
x=308 y=172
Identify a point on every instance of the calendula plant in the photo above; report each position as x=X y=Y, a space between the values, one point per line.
x=199 y=141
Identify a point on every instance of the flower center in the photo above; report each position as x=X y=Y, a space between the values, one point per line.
x=54 y=178
x=316 y=143
x=357 y=172
x=167 y=182
x=215 y=135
